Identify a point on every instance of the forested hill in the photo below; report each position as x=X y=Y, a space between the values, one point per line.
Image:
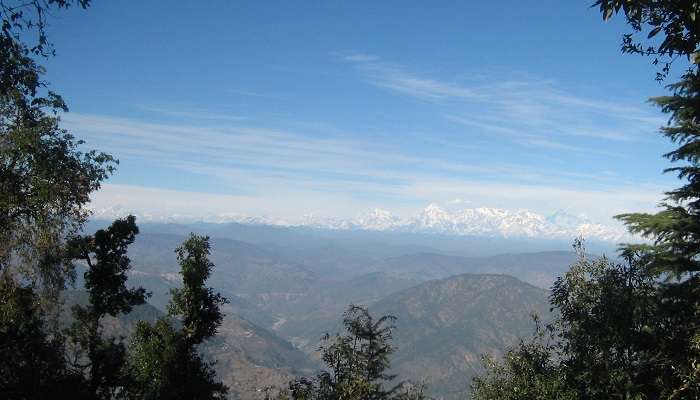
x=443 y=327
x=249 y=357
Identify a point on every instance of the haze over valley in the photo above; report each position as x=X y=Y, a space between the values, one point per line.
x=288 y=286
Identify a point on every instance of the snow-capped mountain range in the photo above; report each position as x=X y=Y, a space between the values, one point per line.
x=433 y=219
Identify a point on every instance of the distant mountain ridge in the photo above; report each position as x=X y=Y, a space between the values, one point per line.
x=539 y=268
x=433 y=219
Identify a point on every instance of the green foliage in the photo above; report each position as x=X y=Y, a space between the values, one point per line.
x=45 y=183
x=164 y=366
x=196 y=304
x=629 y=330
x=530 y=370
x=164 y=362
x=102 y=359
x=105 y=253
x=363 y=353
x=45 y=180
x=605 y=343
x=675 y=231
x=608 y=329
x=20 y=16
x=689 y=375
x=32 y=364
x=677 y=22
x=357 y=363
x=22 y=37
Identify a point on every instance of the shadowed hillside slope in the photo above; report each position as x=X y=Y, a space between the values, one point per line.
x=443 y=327
x=248 y=357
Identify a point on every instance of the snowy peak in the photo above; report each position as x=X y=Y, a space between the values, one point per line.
x=378 y=219
x=433 y=219
x=478 y=221
x=492 y=222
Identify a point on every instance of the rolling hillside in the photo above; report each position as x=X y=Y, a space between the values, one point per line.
x=249 y=357
x=444 y=326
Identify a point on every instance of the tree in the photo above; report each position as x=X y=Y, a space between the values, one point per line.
x=530 y=370
x=32 y=364
x=673 y=257
x=102 y=359
x=676 y=229
x=602 y=344
x=358 y=360
x=676 y=21
x=608 y=327
x=357 y=363
x=197 y=305
x=164 y=361
x=45 y=180
x=630 y=330
x=45 y=183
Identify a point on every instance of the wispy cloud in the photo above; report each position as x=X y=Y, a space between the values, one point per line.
x=489 y=126
x=289 y=188
x=190 y=114
x=295 y=167
x=285 y=172
x=252 y=154
x=527 y=139
x=531 y=112
x=548 y=144
x=396 y=78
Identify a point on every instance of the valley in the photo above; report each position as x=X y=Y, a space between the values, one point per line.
x=451 y=309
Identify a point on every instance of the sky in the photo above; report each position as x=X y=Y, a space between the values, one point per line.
x=331 y=108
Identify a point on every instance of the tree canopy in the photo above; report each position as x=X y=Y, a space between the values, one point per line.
x=357 y=364
x=630 y=330
x=164 y=361
x=46 y=178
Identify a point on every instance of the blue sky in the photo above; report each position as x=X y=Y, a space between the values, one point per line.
x=334 y=108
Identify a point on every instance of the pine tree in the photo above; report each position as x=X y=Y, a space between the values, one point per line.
x=673 y=255
x=357 y=364
x=630 y=330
